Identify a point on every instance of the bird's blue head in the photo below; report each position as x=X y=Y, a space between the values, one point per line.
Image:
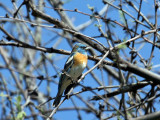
x=81 y=48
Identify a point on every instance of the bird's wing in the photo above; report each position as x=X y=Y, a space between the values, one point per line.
x=67 y=68
x=69 y=63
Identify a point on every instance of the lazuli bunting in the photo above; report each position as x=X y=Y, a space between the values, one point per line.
x=73 y=69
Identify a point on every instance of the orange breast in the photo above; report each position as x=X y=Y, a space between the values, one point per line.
x=80 y=59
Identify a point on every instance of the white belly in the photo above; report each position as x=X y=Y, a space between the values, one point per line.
x=75 y=72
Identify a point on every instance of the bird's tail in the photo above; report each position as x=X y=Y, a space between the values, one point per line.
x=57 y=99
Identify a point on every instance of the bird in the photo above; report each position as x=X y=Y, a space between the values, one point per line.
x=73 y=68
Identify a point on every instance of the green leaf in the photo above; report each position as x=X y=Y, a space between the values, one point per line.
x=3 y=95
x=150 y=66
x=18 y=103
x=97 y=25
x=122 y=19
x=122 y=46
x=91 y=8
x=18 y=99
x=21 y=115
